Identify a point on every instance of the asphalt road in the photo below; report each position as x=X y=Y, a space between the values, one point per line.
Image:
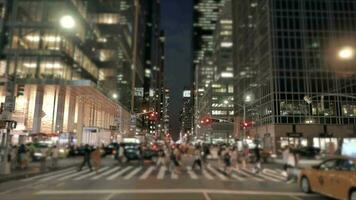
x=132 y=181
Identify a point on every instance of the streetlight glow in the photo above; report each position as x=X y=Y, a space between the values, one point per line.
x=67 y=22
x=346 y=53
x=115 y=96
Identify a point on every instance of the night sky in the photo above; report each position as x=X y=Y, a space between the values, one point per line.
x=177 y=23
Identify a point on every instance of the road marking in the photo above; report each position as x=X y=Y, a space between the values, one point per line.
x=105 y=173
x=263 y=176
x=133 y=173
x=119 y=173
x=57 y=175
x=295 y=197
x=222 y=177
x=161 y=172
x=73 y=175
x=174 y=175
x=46 y=175
x=147 y=172
x=250 y=176
x=173 y=191
x=191 y=173
x=207 y=175
x=273 y=174
x=206 y=196
x=279 y=171
x=235 y=176
x=90 y=174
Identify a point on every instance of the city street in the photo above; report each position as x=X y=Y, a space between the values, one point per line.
x=133 y=181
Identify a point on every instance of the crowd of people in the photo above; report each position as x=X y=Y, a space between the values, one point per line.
x=20 y=157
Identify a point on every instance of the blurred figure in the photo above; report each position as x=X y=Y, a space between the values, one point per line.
x=22 y=156
x=43 y=160
x=96 y=157
x=234 y=158
x=161 y=158
x=54 y=156
x=227 y=162
x=86 y=158
x=14 y=157
x=206 y=153
x=121 y=149
x=197 y=158
x=244 y=156
x=285 y=156
x=257 y=167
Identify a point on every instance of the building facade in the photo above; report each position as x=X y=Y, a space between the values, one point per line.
x=286 y=50
x=71 y=62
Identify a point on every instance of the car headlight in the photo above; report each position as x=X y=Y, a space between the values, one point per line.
x=37 y=154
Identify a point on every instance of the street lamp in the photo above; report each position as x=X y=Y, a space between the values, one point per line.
x=67 y=22
x=115 y=96
x=346 y=53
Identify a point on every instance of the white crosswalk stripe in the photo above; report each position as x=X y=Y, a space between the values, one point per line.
x=105 y=173
x=119 y=173
x=58 y=175
x=47 y=174
x=73 y=175
x=263 y=176
x=237 y=177
x=191 y=173
x=218 y=174
x=161 y=172
x=241 y=171
x=273 y=174
x=90 y=174
x=147 y=172
x=174 y=175
x=133 y=173
x=207 y=175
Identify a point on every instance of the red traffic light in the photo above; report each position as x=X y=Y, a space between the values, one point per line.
x=206 y=120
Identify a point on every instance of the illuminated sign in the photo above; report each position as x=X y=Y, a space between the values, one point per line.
x=187 y=93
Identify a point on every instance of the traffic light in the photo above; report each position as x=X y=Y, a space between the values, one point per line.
x=206 y=120
x=153 y=116
x=20 y=90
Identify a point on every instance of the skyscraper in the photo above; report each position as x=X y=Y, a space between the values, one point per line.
x=289 y=51
x=72 y=65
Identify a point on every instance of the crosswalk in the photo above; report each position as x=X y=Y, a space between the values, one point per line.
x=131 y=172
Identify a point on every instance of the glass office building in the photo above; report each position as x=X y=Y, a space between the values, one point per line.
x=286 y=50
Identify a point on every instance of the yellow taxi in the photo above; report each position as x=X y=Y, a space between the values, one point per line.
x=334 y=177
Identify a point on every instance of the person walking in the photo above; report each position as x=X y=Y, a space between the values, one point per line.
x=86 y=158
x=245 y=156
x=22 y=156
x=96 y=157
x=234 y=158
x=197 y=158
x=285 y=156
x=161 y=158
x=54 y=156
x=257 y=167
x=227 y=162
x=43 y=160
x=14 y=157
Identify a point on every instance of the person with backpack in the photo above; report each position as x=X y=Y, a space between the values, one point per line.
x=227 y=162
x=257 y=167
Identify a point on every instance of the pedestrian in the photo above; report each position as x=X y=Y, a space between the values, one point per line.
x=197 y=158
x=245 y=155
x=257 y=167
x=14 y=157
x=141 y=149
x=227 y=162
x=43 y=160
x=206 y=154
x=121 y=149
x=285 y=155
x=234 y=158
x=96 y=158
x=86 y=158
x=161 y=158
x=22 y=156
x=54 y=156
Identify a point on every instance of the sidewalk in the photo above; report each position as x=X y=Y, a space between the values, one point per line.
x=35 y=169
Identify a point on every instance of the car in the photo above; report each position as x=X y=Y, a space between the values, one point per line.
x=131 y=151
x=334 y=177
x=39 y=150
x=308 y=152
x=111 y=149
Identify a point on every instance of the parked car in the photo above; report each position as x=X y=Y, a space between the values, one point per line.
x=308 y=152
x=334 y=177
x=38 y=152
